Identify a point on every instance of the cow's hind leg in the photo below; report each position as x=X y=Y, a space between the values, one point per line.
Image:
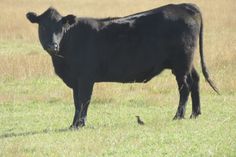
x=183 y=86
x=196 y=108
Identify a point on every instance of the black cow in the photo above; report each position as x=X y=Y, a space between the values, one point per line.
x=126 y=49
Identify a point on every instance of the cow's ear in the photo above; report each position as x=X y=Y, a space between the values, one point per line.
x=70 y=19
x=32 y=17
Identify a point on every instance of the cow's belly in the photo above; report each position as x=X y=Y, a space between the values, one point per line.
x=141 y=77
x=127 y=72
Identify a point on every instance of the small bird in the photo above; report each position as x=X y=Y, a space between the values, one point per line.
x=140 y=122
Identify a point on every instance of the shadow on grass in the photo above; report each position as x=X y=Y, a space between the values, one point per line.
x=46 y=131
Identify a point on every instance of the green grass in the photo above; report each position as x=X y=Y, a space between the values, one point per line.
x=36 y=116
x=37 y=109
x=14 y=47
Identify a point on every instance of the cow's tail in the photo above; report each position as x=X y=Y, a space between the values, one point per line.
x=203 y=64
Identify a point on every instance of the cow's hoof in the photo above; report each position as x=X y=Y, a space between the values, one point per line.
x=178 y=117
x=72 y=127
x=194 y=115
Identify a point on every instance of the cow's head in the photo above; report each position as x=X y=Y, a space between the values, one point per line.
x=51 y=28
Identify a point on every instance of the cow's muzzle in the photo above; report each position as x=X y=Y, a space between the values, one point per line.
x=53 y=48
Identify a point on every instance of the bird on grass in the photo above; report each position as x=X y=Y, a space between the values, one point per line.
x=140 y=122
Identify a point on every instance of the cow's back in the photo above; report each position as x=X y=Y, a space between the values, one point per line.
x=140 y=46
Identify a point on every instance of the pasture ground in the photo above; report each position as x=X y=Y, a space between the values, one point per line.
x=36 y=108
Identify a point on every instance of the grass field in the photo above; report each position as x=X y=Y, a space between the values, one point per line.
x=36 y=108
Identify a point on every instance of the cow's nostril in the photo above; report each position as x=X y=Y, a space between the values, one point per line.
x=55 y=45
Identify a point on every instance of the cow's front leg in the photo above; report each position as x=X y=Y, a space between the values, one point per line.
x=82 y=95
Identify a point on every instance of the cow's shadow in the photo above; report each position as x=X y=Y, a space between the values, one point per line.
x=31 y=133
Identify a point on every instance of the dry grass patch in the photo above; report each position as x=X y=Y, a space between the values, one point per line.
x=36 y=106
